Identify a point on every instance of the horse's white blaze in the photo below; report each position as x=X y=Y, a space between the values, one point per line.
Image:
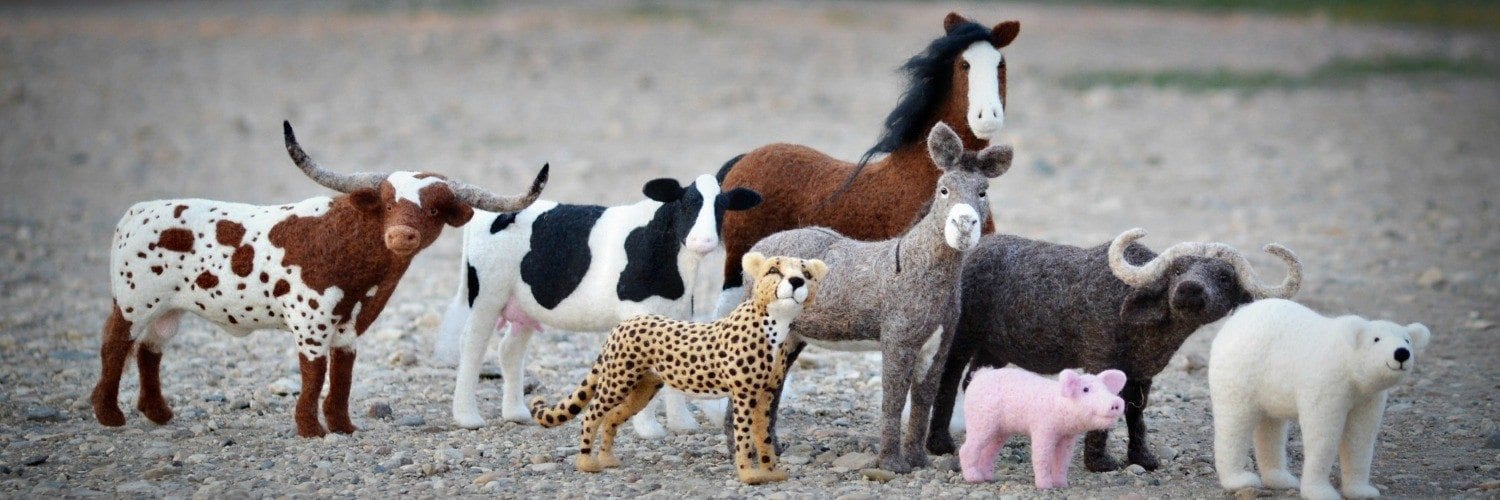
x=962 y=230
x=986 y=112
x=704 y=237
x=409 y=187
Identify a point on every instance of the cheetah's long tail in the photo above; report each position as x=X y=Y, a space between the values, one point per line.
x=562 y=412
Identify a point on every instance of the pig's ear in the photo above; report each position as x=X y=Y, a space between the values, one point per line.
x=1071 y=382
x=1113 y=379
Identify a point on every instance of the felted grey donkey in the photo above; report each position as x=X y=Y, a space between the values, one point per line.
x=898 y=296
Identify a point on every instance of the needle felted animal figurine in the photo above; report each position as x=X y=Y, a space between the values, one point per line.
x=900 y=296
x=1045 y=307
x=1006 y=401
x=1276 y=361
x=960 y=80
x=579 y=268
x=322 y=268
x=739 y=356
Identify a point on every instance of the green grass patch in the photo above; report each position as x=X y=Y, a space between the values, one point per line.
x=1467 y=14
x=1340 y=71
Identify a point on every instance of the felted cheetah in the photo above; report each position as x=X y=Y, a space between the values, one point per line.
x=739 y=356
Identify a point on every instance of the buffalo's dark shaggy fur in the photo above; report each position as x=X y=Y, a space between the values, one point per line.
x=1045 y=307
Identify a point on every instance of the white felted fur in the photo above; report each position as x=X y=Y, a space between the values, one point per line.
x=1276 y=360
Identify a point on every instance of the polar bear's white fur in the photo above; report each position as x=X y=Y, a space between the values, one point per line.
x=1276 y=360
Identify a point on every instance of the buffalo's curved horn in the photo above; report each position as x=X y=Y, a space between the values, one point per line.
x=1288 y=287
x=483 y=199
x=1145 y=274
x=343 y=183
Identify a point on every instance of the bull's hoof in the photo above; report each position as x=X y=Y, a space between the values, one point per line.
x=1101 y=462
x=157 y=411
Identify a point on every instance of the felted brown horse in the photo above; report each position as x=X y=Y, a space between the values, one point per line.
x=959 y=80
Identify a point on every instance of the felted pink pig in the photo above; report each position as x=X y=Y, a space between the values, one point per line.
x=1006 y=401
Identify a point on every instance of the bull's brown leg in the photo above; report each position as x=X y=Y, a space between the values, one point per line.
x=150 y=402
x=113 y=351
x=336 y=406
x=313 y=370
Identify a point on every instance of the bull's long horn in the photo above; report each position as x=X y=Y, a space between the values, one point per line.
x=1144 y=274
x=342 y=183
x=1288 y=287
x=483 y=199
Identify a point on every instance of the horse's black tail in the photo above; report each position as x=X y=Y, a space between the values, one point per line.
x=724 y=170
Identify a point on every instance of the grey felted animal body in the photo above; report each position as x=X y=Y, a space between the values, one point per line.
x=899 y=296
x=1046 y=307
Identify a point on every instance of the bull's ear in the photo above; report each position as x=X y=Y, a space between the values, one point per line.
x=740 y=199
x=460 y=215
x=665 y=190
x=1113 y=379
x=951 y=21
x=753 y=262
x=367 y=199
x=1004 y=33
x=1419 y=335
x=1144 y=306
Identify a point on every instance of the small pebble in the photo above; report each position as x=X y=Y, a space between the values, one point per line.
x=412 y=421
x=35 y=460
x=43 y=414
x=379 y=410
x=877 y=475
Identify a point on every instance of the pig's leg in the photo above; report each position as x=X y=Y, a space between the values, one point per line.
x=1044 y=451
x=1061 y=458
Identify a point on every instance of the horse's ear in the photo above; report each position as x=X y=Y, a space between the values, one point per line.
x=665 y=190
x=995 y=160
x=944 y=146
x=952 y=21
x=1004 y=33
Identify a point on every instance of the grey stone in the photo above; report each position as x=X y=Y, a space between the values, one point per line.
x=43 y=414
x=35 y=460
x=412 y=421
x=855 y=461
x=1493 y=442
x=877 y=475
x=1135 y=469
x=379 y=410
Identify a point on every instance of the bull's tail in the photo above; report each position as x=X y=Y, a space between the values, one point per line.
x=451 y=331
x=562 y=412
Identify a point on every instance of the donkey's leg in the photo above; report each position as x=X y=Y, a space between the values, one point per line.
x=113 y=351
x=148 y=364
x=897 y=364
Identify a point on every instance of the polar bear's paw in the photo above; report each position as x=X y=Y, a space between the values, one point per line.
x=1366 y=490
x=1279 y=480
x=1322 y=490
x=1237 y=480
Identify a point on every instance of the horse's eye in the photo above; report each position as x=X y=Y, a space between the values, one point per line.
x=964 y=65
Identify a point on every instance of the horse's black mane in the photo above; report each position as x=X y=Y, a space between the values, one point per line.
x=930 y=76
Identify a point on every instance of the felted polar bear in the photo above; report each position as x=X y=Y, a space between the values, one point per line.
x=1276 y=360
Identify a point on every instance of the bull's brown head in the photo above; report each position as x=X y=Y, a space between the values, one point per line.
x=413 y=206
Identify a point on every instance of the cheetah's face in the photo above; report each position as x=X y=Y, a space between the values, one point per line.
x=785 y=279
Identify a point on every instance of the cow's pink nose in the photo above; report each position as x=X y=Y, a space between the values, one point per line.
x=402 y=239
x=702 y=245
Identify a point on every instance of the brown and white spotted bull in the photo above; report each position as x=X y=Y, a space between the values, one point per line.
x=322 y=268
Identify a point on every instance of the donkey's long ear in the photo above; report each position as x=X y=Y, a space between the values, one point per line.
x=1004 y=33
x=995 y=160
x=944 y=146
x=952 y=21
x=665 y=190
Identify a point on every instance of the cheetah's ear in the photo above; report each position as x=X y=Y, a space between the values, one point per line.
x=816 y=269
x=753 y=263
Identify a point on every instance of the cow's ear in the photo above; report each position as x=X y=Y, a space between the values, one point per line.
x=1144 y=306
x=1004 y=33
x=460 y=215
x=665 y=190
x=740 y=199
x=367 y=199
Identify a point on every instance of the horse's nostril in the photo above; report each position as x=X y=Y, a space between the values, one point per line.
x=1402 y=355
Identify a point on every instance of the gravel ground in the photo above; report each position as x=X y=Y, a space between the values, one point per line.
x=1384 y=186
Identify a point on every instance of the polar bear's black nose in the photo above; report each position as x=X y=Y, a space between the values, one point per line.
x=1402 y=355
x=797 y=282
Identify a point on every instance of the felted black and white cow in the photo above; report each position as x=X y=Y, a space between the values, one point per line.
x=579 y=268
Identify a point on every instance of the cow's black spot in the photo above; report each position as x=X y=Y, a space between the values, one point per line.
x=559 y=254
x=502 y=221
x=473 y=283
x=651 y=250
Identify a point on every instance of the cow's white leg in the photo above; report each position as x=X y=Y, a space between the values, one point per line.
x=729 y=299
x=645 y=423
x=714 y=410
x=679 y=415
x=513 y=368
x=956 y=423
x=476 y=340
x=450 y=334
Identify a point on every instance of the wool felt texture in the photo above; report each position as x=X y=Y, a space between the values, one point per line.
x=1275 y=361
x=909 y=316
x=740 y=356
x=322 y=268
x=581 y=268
x=1046 y=307
x=871 y=200
x=1054 y=413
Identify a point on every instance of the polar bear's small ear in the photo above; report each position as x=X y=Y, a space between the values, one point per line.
x=1113 y=379
x=1419 y=335
x=1355 y=330
x=1071 y=382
